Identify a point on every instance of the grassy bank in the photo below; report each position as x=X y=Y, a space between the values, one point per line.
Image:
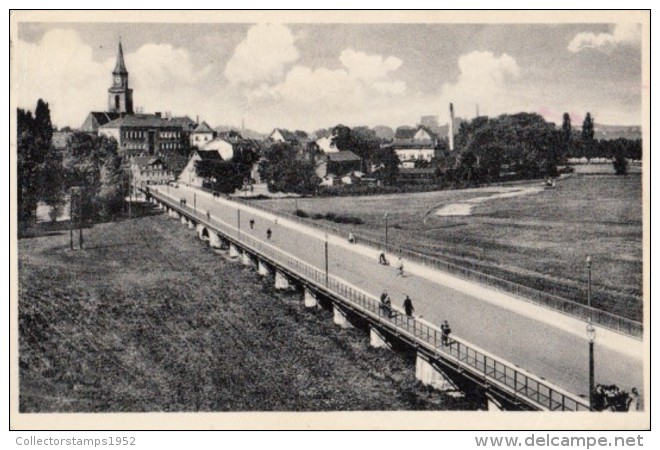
x=539 y=240
x=147 y=318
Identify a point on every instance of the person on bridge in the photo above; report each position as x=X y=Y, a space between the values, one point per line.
x=386 y=303
x=251 y=224
x=351 y=238
x=269 y=233
x=445 y=332
x=408 y=306
x=399 y=266
x=382 y=260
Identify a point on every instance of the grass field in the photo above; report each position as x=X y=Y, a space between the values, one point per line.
x=147 y=318
x=539 y=240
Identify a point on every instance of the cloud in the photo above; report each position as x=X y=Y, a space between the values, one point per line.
x=362 y=66
x=485 y=80
x=263 y=56
x=310 y=96
x=622 y=34
x=61 y=69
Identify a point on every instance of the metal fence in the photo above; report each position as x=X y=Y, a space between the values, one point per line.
x=516 y=382
x=605 y=319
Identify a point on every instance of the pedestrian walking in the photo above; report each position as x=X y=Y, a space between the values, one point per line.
x=251 y=224
x=446 y=330
x=269 y=233
x=386 y=303
x=633 y=400
x=351 y=238
x=408 y=306
x=399 y=266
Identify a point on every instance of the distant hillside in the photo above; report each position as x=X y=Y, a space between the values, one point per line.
x=609 y=132
x=246 y=133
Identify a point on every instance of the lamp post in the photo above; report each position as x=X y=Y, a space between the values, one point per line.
x=589 y=284
x=195 y=201
x=386 y=229
x=238 y=221
x=326 y=259
x=591 y=337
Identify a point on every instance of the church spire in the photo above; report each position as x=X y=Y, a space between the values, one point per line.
x=120 y=67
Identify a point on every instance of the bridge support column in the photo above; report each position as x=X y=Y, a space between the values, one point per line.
x=264 y=270
x=191 y=224
x=184 y=219
x=214 y=240
x=492 y=404
x=429 y=374
x=176 y=215
x=233 y=251
x=339 y=317
x=246 y=259
x=310 y=299
x=281 y=281
x=377 y=339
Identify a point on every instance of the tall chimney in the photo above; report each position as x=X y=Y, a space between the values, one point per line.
x=450 y=132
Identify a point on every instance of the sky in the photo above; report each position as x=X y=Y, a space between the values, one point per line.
x=310 y=76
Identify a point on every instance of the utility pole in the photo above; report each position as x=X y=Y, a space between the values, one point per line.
x=326 y=259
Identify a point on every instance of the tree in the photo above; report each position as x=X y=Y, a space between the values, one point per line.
x=92 y=163
x=284 y=170
x=566 y=135
x=38 y=164
x=219 y=175
x=588 y=136
x=388 y=161
x=620 y=164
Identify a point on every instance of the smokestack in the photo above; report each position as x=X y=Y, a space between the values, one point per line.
x=450 y=132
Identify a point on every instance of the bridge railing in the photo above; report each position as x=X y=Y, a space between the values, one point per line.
x=603 y=318
x=519 y=383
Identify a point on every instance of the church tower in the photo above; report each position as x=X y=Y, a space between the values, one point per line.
x=120 y=97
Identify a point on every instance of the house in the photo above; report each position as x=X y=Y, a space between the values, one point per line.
x=224 y=147
x=282 y=135
x=326 y=145
x=189 y=173
x=414 y=144
x=148 y=170
x=201 y=135
x=341 y=162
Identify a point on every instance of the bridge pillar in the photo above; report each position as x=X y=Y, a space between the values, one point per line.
x=264 y=270
x=233 y=251
x=281 y=281
x=191 y=224
x=430 y=374
x=199 y=229
x=246 y=259
x=310 y=299
x=377 y=339
x=214 y=240
x=492 y=404
x=184 y=219
x=176 y=214
x=339 y=317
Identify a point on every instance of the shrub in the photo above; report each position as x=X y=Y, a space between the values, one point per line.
x=301 y=213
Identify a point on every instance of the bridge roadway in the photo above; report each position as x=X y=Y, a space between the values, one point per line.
x=559 y=356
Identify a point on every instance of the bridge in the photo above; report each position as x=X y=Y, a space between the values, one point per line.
x=347 y=278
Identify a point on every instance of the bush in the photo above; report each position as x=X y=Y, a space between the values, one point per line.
x=301 y=213
x=331 y=216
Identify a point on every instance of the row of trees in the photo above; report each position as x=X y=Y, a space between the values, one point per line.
x=46 y=174
x=582 y=144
